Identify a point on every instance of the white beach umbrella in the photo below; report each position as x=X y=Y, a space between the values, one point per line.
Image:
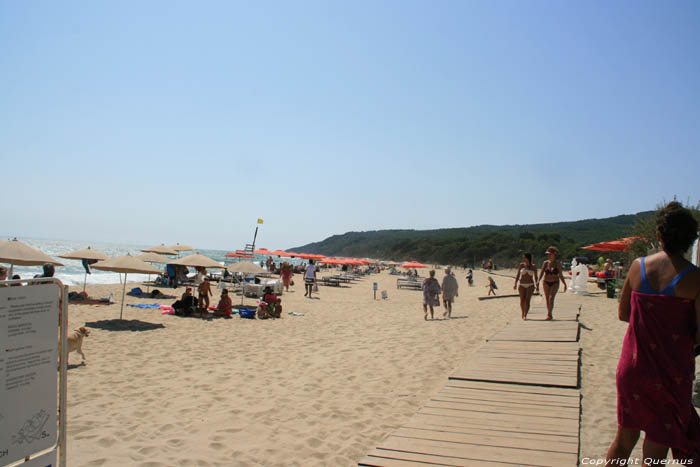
x=88 y=254
x=126 y=264
x=15 y=252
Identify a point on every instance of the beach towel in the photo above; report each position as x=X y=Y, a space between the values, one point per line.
x=144 y=305
x=655 y=373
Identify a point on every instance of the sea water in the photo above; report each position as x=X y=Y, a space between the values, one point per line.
x=73 y=273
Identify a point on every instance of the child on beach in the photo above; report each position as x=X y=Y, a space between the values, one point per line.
x=204 y=290
x=492 y=286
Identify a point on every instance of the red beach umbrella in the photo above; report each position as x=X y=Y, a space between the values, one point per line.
x=614 y=245
x=237 y=255
x=414 y=265
x=262 y=251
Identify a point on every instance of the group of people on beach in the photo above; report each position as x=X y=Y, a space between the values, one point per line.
x=527 y=281
x=431 y=293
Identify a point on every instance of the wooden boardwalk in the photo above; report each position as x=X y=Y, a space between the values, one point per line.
x=515 y=401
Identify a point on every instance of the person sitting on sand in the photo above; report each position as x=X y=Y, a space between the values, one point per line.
x=225 y=305
x=661 y=301
x=608 y=267
x=270 y=306
x=431 y=294
x=450 y=289
x=3 y=275
x=492 y=286
x=185 y=305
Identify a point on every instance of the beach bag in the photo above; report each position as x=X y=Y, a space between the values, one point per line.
x=291 y=282
x=136 y=291
x=315 y=288
x=246 y=313
x=436 y=301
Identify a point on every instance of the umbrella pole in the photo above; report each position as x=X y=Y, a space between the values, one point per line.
x=84 y=282
x=148 y=284
x=121 y=313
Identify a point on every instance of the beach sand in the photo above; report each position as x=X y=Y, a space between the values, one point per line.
x=315 y=390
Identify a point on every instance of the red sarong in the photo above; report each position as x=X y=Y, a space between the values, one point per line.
x=656 y=371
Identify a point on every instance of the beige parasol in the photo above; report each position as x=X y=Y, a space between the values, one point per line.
x=177 y=247
x=197 y=260
x=15 y=252
x=246 y=267
x=160 y=249
x=88 y=254
x=152 y=258
x=126 y=264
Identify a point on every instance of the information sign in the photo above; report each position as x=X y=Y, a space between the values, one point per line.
x=28 y=370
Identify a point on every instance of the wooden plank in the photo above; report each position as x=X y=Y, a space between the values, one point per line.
x=563 y=425
x=387 y=458
x=573 y=393
x=477 y=452
x=494 y=396
x=534 y=380
x=524 y=410
x=439 y=423
x=486 y=440
x=499 y=422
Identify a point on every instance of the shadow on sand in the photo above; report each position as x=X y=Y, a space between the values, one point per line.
x=123 y=325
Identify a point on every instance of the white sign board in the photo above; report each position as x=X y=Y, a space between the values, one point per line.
x=28 y=370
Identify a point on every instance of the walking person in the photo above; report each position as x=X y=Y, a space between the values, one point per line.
x=450 y=289
x=550 y=275
x=661 y=302
x=286 y=274
x=309 y=278
x=431 y=294
x=527 y=275
x=492 y=287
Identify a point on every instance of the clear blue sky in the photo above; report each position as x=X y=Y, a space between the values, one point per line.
x=168 y=121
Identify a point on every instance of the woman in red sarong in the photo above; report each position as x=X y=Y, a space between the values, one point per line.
x=657 y=366
x=286 y=273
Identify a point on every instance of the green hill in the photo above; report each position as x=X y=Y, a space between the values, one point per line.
x=471 y=245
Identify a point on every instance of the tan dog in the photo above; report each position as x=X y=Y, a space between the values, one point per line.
x=75 y=340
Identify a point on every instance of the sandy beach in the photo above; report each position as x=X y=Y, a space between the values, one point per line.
x=314 y=390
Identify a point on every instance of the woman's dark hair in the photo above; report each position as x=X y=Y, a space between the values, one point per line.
x=677 y=227
x=528 y=256
x=48 y=270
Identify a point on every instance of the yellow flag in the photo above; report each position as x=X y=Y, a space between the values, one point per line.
x=260 y=221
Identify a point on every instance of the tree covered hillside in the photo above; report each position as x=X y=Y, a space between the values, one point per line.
x=471 y=245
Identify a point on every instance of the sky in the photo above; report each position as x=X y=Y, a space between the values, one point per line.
x=165 y=121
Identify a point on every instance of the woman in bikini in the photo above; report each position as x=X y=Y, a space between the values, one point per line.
x=527 y=275
x=550 y=275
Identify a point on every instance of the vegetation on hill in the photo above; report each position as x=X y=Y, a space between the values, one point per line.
x=472 y=245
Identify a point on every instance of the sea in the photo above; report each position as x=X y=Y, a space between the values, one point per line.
x=73 y=273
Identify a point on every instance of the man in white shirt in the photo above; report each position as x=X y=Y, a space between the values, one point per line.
x=309 y=278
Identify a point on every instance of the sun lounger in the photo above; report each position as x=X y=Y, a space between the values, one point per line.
x=330 y=281
x=408 y=284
